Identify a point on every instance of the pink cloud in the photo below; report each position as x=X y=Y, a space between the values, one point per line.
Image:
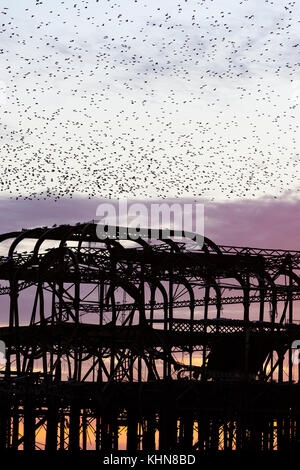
x=266 y=222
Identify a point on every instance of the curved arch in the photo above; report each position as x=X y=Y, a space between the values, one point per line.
x=211 y=282
x=21 y=237
x=7 y=236
x=172 y=244
x=287 y=273
x=158 y=285
x=128 y=287
x=45 y=236
x=190 y=290
x=70 y=231
x=212 y=245
x=61 y=251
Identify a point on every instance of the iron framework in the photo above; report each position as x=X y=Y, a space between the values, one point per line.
x=147 y=345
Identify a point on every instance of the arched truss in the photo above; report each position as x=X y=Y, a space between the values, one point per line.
x=112 y=312
x=158 y=286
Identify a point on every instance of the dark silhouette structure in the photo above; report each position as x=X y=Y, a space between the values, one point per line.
x=147 y=345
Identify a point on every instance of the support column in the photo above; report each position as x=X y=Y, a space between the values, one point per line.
x=132 y=429
x=167 y=429
x=74 y=427
x=149 y=432
x=52 y=424
x=29 y=425
x=4 y=422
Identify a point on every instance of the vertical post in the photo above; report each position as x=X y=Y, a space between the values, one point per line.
x=14 y=322
x=152 y=303
x=225 y=434
x=206 y=304
x=52 y=424
x=280 y=366
x=139 y=369
x=214 y=434
x=290 y=355
x=98 y=430
x=29 y=424
x=247 y=348
x=188 y=429
x=246 y=300
x=74 y=427
x=76 y=300
x=106 y=435
x=101 y=302
x=167 y=428
x=230 y=435
x=4 y=422
x=15 y=424
x=84 y=429
x=114 y=431
x=132 y=429
x=149 y=432
x=170 y=295
x=53 y=306
x=62 y=431
x=142 y=317
x=262 y=299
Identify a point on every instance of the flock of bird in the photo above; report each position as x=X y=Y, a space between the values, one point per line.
x=144 y=98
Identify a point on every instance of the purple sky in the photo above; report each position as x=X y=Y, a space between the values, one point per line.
x=267 y=222
x=264 y=223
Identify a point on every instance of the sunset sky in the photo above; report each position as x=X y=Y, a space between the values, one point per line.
x=265 y=223
x=188 y=102
x=196 y=100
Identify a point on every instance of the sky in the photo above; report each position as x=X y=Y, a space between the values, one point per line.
x=263 y=223
x=145 y=100
x=149 y=99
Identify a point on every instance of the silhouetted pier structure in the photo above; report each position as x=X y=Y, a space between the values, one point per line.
x=147 y=345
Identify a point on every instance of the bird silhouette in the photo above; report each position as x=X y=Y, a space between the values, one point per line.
x=143 y=98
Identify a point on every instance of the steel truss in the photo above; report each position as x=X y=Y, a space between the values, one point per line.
x=151 y=344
